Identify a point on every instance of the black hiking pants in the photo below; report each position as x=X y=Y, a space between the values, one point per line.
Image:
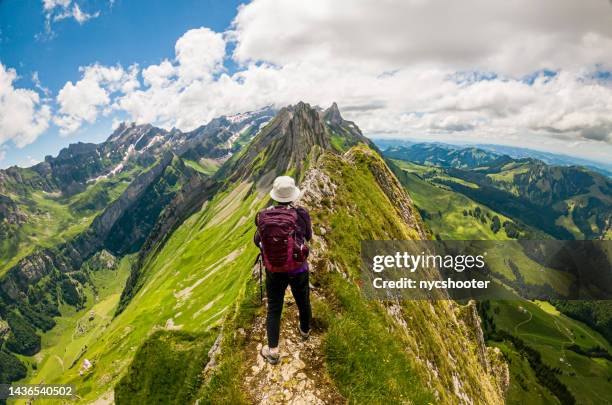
x=276 y=284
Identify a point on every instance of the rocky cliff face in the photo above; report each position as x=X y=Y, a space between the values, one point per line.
x=222 y=136
x=282 y=145
x=343 y=134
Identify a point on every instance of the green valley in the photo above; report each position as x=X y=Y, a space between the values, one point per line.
x=444 y=209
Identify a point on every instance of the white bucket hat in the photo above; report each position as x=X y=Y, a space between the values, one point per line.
x=284 y=189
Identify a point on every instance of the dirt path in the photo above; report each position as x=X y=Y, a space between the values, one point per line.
x=299 y=377
x=518 y=325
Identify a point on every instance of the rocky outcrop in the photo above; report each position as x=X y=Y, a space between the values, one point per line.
x=10 y=212
x=332 y=115
x=4 y=330
x=30 y=270
x=491 y=359
x=347 y=131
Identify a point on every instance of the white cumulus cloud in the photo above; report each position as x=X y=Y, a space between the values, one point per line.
x=49 y=5
x=199 y=54
x=173 y=91
x=84 y=100
x=23 y=116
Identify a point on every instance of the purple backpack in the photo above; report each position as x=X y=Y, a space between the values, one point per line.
x=281 y=251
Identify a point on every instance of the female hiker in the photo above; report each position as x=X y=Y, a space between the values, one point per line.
x=282 y=232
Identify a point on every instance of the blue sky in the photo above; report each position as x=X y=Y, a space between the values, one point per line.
x=129 y=31
x=487 y=72
x=125 y=32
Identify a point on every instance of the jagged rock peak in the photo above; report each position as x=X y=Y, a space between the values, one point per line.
x=132 y=127
x=301 y=109
x=284 y=144
x=332 y=115
x=301 y=121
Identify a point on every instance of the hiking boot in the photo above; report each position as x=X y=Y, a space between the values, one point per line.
x=304 y=335
x=270 y=357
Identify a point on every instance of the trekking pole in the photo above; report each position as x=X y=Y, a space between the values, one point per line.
x=258 y=260
x=260 y=282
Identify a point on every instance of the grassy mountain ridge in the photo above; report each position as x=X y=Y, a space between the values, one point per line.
x=412 y=323
x=284 y=145
x=336 y=189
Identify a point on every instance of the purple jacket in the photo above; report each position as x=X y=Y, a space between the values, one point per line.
x=303 y=232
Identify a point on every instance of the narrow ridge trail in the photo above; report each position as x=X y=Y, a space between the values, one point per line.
x=300 y=377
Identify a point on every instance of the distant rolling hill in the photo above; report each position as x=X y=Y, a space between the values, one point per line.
x=549 y=158
x=512 y=151
x=431 y=154
x=566 y=202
